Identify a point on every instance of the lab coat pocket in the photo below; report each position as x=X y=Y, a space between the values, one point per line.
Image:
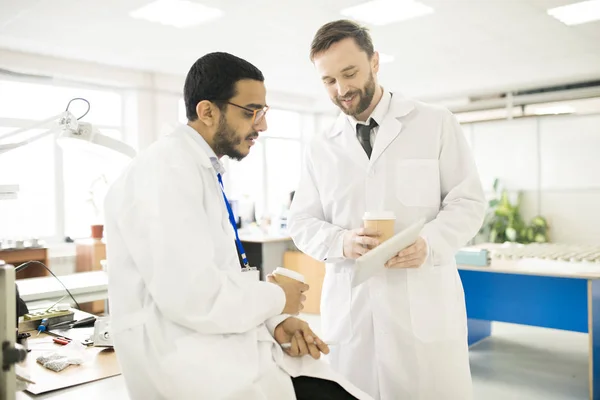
x=335 y=307
x=417 y=183
x=434 y=310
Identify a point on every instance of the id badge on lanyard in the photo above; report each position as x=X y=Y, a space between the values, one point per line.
x=238 y=242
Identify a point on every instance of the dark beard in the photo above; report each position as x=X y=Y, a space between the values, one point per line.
x=226 y=141
x=365 y=98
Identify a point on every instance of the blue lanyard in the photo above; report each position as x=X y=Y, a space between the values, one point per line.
x=234 y=225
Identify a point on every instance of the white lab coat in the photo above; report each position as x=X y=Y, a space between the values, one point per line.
x=187 y=323
x=403 y=333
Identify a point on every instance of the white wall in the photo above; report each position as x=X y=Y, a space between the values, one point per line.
x=555 y=161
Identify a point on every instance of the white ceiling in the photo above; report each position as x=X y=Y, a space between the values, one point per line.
x=464 y=47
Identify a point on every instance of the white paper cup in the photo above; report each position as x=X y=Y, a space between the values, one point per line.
x=287 y=275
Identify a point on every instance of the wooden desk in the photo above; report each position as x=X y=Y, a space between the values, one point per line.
x=108 y=388
x=19 y=256
x=549 y=294
x=103 y=364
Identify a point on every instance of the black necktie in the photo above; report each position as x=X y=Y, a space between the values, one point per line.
x=364 y=136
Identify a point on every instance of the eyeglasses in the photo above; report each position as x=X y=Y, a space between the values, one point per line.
x=258 y=114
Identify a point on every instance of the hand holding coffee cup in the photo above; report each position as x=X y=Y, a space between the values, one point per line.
x=293 y=285
x=378 y=227
x=359 y=241
x=382 y=222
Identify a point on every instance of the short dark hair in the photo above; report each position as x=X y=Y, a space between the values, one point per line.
x=336 y=31
x=213 y=77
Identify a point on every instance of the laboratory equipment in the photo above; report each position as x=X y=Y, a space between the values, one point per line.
x=550 y=251
x=10 y=352
x=102 y=336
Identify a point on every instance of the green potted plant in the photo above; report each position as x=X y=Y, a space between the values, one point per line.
x=503 y=221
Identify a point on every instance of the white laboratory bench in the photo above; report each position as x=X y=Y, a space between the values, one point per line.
x=84 y=286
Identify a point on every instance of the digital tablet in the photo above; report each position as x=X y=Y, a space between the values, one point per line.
x=374 y=261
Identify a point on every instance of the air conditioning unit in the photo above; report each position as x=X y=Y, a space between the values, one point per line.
x=579 y=97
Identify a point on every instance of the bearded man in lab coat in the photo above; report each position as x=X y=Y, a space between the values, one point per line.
x=403 y=333
x=187 y=322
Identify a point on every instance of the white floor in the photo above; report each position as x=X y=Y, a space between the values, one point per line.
x=525 y=363
x=516 y=363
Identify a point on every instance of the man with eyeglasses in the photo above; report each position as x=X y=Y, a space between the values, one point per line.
x=187 y=321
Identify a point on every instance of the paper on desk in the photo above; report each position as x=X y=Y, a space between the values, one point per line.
x=373 y=262
x=23 y=378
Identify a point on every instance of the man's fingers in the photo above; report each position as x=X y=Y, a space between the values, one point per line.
x=310 y=338
x=302 y=345
x=412 y=249
x=368 y=241
x=307 y=333
x=314 y=351
x=271 y=278
x=414 y=262
x=368 y=232
x=408 y=258
x=402 y=260
x=294 y=349
x=319 y=344
x=360 y=251
x=314 y=343
x=322 y=346
x=304 y=287
x=391 y=262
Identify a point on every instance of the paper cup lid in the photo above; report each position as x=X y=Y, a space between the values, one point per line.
x=378 y=215
x=289 y=273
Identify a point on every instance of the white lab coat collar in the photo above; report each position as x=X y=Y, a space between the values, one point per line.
x=399 y=107
x=389 y=129
x=209 y=158
x=378 y=113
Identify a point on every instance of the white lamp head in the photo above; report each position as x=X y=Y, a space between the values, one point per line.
x=82 y=136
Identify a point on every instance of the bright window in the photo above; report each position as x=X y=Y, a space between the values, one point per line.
x=87 y=177
x=54 y=184
x=283 y=124
x=32 y=168
x=283 y=172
